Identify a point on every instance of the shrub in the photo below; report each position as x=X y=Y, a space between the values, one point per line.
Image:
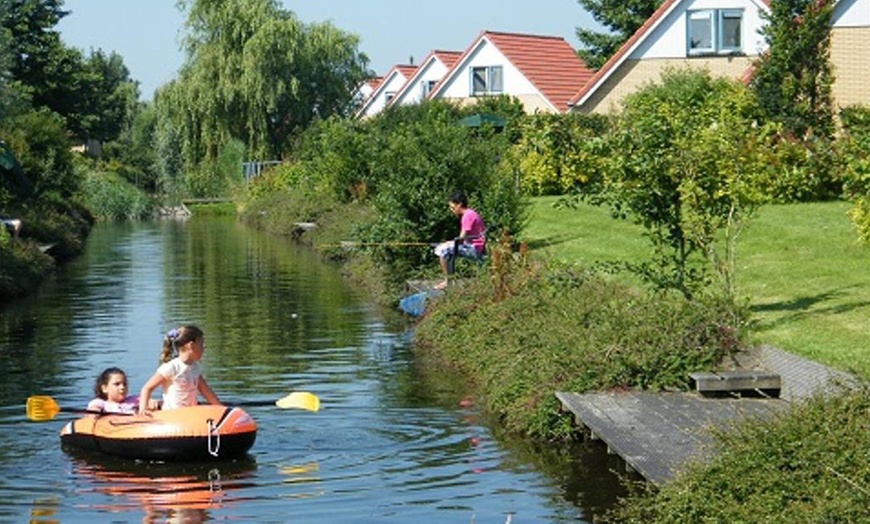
x=855 y=158
x=564 y=329
x=110 y=197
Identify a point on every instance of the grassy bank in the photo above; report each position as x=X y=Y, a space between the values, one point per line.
x=800 y=267
x=530 y=326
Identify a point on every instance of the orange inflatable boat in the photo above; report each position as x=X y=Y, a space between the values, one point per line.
x=206 y=432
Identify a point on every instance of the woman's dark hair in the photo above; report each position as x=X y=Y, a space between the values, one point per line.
x=458 y=197
x=103 y=380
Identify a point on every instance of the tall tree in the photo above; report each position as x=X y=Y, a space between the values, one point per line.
x=622 y=17
x=255 y=73
x=39 y=59
x=793 y=79
x=108 y=97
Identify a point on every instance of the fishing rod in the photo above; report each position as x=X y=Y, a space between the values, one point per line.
x=351 y=244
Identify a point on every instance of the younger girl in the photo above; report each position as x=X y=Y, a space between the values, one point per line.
x=179 y=372
x=110 y=389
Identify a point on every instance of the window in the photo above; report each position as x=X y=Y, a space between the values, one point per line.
x=715 y=31
x=486 y=80
x=388 y=95
x=428 y=87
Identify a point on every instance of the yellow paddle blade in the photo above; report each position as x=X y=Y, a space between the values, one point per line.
x=300 y=400
x=41 y=408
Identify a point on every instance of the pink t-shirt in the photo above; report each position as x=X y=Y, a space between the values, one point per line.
x=130 y=404
x=473 y=226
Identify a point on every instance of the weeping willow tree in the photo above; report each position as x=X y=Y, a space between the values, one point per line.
x=253 y=75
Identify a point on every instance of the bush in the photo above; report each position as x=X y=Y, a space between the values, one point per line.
x=22 y=266
x=569 y=330
x=854 y=147
x=401 y=166
x=110 y=197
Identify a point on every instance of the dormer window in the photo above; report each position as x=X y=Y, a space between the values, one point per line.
x=486 y=80
x=715 y=31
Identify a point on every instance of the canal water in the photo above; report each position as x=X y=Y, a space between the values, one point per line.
x=392 y=443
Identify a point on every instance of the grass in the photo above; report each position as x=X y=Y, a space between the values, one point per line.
x=800 y=266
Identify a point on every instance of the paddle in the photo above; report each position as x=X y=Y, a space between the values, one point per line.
x=41 y=408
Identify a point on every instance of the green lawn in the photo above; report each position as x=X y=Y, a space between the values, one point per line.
x=800 y=266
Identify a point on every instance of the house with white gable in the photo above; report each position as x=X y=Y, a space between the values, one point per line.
x=364 y=90
x=721 y=36
x=386 y=90
x=430 y=72
x=543 y=72
x=850 y=53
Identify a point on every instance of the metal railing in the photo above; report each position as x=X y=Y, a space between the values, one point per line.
x=251 y=170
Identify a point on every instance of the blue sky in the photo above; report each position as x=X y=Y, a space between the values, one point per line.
x=146 y=32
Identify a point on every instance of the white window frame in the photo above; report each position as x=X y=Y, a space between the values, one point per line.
x=716 y=19
x=428 y=86
x=493 y=80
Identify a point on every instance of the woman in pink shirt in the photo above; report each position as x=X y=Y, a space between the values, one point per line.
x=471 y=242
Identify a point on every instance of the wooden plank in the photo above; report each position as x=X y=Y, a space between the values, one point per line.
x=736 y=380
x=657 y=434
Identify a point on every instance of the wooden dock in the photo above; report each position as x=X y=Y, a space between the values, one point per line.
x=658 y=433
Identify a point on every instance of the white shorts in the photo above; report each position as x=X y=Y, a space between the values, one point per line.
x=445 y=249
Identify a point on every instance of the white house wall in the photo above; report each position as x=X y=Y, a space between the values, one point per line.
x=669 y=38
x=379 y=102
x=514 y=82
x=852 y=13
x=433 y=71
x=850 y=53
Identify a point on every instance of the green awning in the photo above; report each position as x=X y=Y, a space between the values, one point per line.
x=480 y=119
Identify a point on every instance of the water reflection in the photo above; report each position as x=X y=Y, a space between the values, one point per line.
x=183 y=493
x=397 y=440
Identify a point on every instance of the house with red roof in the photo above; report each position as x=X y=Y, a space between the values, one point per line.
x=431 y=70
x=721 y=36
x=365 y=90
x=391 y=83
x=542 y=72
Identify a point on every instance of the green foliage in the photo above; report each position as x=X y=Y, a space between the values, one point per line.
x=109 y=197
x=800 y=170
x=22 y=266
x=559 y=153
x=542 y=330
x=256 y=74
x=855 y=150
x=336 y=154
x=39 y=60
x=809 y=465
x=219 y=176
x=684 y=159
x=404 y=164
x=107 y=98
x=279 y=178
x=40 y=142
x=621 y=19
x=793 y=79
x=168 y=142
